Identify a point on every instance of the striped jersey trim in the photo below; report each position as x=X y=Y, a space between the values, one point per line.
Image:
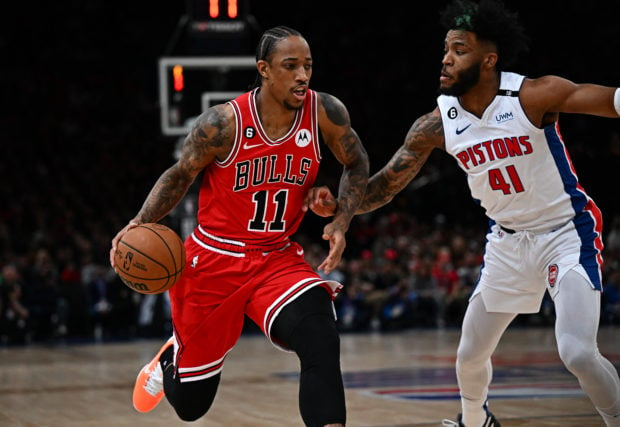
x=233 y=248
x=202 y=372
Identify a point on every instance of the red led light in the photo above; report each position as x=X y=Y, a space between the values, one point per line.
x=233 y=9
x=177 y=78
x=214 y=8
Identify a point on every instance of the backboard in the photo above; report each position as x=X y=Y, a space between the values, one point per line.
x=188 y=85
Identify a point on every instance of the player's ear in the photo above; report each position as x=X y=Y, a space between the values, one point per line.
x=262 y=66
x=490 y=59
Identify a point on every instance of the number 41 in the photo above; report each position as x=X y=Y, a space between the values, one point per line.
x=497 y=180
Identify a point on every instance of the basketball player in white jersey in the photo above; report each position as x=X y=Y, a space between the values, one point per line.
x=259 y=154
x=545 y=232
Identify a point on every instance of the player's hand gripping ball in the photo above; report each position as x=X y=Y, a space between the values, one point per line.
x=150 y=258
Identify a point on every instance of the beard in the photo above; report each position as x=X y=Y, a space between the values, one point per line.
x=466 y=79
x=291 y=107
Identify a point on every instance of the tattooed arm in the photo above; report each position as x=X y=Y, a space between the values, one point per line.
x=211 y=137
x=346 y=146
x=425 y=134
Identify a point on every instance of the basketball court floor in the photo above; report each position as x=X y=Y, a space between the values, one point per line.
x=401 y=379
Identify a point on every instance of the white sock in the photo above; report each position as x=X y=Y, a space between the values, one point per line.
x=610 y=420
x=474 y=414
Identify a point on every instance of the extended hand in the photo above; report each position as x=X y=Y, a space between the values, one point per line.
x=117 y=238
x=320 y=201
x=337 y=243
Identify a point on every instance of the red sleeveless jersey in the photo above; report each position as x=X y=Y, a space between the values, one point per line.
x=255 y=195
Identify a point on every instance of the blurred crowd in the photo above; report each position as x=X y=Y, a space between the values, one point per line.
x=398 y=273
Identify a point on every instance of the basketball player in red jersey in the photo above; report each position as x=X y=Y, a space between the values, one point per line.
x=502 y=128
x=260 y=155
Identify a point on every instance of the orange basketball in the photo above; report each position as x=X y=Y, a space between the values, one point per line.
x=150 y=258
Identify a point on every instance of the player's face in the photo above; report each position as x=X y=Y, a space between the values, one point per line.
x=289 y=71
x=461 y=63
x=463 y=81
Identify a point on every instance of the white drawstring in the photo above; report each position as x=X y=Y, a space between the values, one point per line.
x=521 y=237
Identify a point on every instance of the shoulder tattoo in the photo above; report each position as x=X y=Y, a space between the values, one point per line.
x=335 y=109
x=212 y=128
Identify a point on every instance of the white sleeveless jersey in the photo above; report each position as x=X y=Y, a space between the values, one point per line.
x=521 y=175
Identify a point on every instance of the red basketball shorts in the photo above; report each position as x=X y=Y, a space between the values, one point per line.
x=222 y=283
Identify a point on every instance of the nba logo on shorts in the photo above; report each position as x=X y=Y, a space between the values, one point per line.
x=553 y=274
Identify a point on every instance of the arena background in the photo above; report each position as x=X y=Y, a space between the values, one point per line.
x=80 y=127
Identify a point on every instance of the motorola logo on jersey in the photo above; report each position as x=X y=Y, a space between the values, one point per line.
x=504 y=117
x=302 y=138
x=452 y=113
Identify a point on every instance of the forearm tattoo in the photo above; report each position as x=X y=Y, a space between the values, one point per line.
x=167 y=192
x=351 y=153
x=423 y=136
x=354 y=177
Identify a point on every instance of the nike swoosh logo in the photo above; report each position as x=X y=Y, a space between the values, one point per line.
x=300 y=252
x=247 y=146
x=460 y=131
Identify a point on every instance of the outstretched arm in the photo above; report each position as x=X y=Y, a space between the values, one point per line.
x=545 y=97
x=425 y=134
x=346 y=146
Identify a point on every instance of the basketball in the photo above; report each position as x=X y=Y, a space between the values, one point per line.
x=150 y=258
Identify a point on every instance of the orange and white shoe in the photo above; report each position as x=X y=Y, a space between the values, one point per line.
x=149 y=388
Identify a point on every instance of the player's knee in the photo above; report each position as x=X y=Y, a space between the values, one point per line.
x=192 y=400
x=316 y=340
x=468 y=355
x=189 y=414
x=576 y=356
x=192 y=411
x=311 y=316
